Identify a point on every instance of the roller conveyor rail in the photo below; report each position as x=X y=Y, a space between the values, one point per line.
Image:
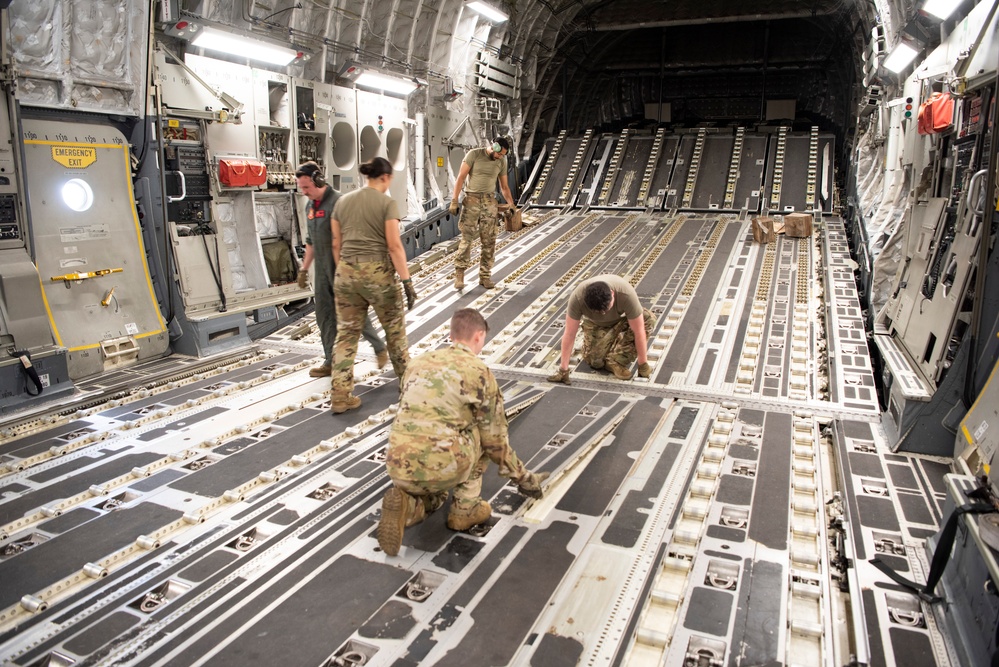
x=549 y=165
x=813 y=168
x=574 y=170
x=733 y=170
x=650 y=168
x=615 y=166
x=777 y=178
x=695 y=165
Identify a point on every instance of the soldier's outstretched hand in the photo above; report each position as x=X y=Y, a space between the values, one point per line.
x=644 y=370
x=407 y=285
x=530 y=484
x=560 y=375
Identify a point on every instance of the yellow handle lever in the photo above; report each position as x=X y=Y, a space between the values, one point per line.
x=107 y=297
x=86 y=274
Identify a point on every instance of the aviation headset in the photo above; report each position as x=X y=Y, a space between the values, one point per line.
x=496 y=147
x=318 y=179
x=312 y=170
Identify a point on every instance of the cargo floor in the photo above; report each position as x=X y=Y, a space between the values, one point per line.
x=720 y=513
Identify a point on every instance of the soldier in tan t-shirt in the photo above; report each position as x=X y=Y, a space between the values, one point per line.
x=482 y=167
x=368 y=252
x=615 y=328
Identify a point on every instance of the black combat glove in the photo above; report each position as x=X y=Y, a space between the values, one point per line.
x=530 y=484
x=407 y=285
x=560 y=375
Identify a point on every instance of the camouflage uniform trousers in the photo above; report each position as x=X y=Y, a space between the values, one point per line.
x=358 y=286
x=478 y=221
x=614 y=343
x=430 y=471
x=326 y=321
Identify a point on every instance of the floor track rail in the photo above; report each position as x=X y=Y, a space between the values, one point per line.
x=650 y=167
x=695 y=165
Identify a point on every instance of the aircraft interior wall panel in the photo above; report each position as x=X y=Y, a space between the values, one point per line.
x=629 y=176
x=273 y=117
x=313 y=113
x=391 y=142
x=678 y=175
x=200 y=260
x=56 y=68
x=445 y=160
x=344 y=130
x=223 y=139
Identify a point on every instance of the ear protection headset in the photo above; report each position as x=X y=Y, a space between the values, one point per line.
x=496 y=147
x=318 y=179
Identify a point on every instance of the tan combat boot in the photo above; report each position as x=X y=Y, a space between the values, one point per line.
x=619 y=371
x=323 y=371
x=459 y=519
x=383 y=358
x=399 y=511
x=342 y=403
x=486 y=281
x=459 y=278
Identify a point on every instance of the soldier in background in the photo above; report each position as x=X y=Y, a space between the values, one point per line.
x=369 y=253
x=319 y=235
x=482 y=167
x=450 y=425
x=615 y=328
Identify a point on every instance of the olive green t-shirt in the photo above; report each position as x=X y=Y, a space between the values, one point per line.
x=362 y=215
x=484 y=171
x=626 y=303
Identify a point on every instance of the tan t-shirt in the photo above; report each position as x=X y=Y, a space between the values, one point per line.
x=362 y=215
x=626 y=303
x=484 y=171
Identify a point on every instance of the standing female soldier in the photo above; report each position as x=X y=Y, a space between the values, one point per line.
x=368 y=253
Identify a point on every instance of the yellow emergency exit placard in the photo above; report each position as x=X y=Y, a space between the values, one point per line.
x=440 y=162
x=74 y=157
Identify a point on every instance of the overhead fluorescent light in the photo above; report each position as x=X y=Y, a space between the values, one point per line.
x=389 y=84
x=490 y=13
x=942 y=9
x=900 y=57
x=216 y=40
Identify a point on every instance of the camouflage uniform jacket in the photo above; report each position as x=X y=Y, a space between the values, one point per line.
x=450 y=400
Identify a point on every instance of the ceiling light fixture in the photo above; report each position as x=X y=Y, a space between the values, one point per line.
x=942 y=9
x=900 y=57
x=387 y=84
x=490 y=13
x=236 y=45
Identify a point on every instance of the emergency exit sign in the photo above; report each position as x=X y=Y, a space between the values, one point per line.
x=74 y=157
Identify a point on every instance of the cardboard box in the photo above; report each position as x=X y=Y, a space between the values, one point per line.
x=798 y=225
x=763 y=229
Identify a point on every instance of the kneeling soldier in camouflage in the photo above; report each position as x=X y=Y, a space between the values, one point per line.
x=449 y=426
x=616 y=328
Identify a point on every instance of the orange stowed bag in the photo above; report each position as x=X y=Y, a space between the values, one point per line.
x=936 y=114
x=233 y=173
x=256 y=172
